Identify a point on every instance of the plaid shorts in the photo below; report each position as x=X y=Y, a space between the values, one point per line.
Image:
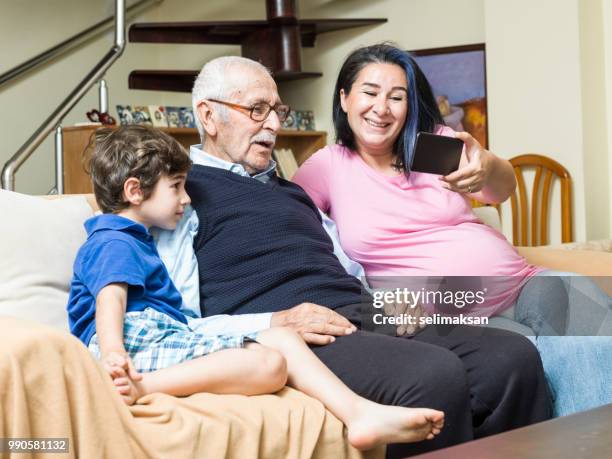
x=155 y=340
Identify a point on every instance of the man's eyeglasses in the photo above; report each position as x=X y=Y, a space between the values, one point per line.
x=260 y=110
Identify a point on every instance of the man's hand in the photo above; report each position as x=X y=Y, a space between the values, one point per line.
x=316 y=324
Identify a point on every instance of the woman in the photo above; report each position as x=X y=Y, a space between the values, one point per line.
x=401 y=223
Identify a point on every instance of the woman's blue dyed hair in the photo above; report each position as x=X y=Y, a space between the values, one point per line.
x=423 y=113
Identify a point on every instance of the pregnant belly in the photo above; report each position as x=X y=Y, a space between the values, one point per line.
x=469 y=249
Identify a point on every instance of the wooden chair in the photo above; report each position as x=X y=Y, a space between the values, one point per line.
x=539 y=201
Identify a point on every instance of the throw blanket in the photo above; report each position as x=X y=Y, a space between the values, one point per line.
x=50 y=386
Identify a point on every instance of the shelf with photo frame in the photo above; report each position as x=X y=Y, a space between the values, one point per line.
x=77 y=138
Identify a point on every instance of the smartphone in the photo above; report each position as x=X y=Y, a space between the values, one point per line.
x=436 y=154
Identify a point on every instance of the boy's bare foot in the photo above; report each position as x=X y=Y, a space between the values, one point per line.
x=129 y=389
x=126 y=378
x=375 y=425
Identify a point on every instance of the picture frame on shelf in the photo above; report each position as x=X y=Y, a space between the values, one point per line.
x=174 y=117
x=291 y=122
x=158 y=115
x=124 y=113
x=186 y=117
x=305 y=120
x=141 y=115
x=457 y=75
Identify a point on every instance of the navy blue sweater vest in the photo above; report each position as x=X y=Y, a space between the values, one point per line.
x=261 y=246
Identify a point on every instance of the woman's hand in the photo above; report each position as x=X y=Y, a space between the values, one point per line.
x=483 y=175
x=474 y=168
x=401 y=311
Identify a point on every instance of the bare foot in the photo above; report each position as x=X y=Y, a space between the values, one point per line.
x=129 y=389
x=126 y=378
x=376 y=425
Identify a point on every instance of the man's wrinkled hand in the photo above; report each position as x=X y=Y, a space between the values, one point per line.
x=316 y=324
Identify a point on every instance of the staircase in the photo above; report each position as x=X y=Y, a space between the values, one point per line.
x=276 y=43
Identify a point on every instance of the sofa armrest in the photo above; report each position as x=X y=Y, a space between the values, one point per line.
x=597 y=265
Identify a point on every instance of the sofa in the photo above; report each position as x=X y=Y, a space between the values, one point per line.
x=51 y=387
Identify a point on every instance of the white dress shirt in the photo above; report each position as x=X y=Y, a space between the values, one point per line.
x=176 y=250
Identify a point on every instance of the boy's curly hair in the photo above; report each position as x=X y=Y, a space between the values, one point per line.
x=132 y=151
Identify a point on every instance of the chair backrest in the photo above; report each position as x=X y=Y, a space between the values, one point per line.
x=538 y=217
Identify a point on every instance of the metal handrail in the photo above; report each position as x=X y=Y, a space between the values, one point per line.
x=68 y=44
x=53 y=121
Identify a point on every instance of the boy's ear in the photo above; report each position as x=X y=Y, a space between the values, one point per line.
x=207 y=119
x=132 y=191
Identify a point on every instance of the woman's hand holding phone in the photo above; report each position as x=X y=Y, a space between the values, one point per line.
x=474 y=167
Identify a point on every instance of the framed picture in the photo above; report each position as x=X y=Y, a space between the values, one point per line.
x=173 y=116
x=125 y=114
x=457 y=75
x=158 y=115
x=291 y=121
x=305 y=120
x=186 y=117
x=141 y=115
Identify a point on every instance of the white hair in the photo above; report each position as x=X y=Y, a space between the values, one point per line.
x=214 y=83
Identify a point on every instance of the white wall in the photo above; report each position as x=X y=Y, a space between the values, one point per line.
x=607 y=32
x=534 y=86
x=594 y=119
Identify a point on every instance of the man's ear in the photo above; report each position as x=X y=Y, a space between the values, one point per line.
x=132 y=191
x=343 y=100
x=207 y=119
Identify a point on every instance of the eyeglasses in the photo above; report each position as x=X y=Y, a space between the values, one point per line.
x=260 y=110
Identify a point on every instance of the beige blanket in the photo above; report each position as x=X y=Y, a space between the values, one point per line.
x=50 y=386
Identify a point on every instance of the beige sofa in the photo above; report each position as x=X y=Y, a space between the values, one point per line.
x=51 y=387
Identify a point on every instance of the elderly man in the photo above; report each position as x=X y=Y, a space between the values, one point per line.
x=268 y=257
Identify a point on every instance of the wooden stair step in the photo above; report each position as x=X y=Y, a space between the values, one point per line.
x=235 y=32
x=182 y=80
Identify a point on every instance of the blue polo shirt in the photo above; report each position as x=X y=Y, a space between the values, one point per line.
x=119 y=250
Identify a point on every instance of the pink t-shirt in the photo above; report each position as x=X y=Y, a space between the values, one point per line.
x=398 y=226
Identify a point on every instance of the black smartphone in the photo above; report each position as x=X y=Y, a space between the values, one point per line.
x=436 y=154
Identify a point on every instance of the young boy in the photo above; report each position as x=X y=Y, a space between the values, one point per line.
x=125 y=308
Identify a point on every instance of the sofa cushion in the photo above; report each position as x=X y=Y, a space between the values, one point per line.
x=39 y=239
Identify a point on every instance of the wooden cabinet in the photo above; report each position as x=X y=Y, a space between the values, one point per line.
x=77 y=138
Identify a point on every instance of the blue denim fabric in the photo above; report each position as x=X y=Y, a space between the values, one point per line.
x=578 y=370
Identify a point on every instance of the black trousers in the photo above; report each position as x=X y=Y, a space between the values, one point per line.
x=485 y=380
